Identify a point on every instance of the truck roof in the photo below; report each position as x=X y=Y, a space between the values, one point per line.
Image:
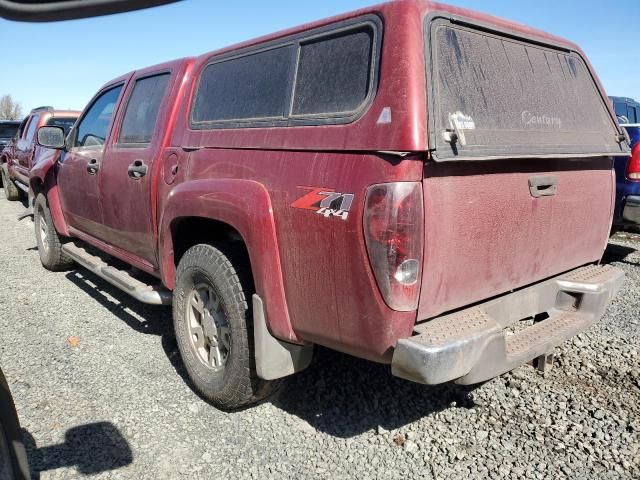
x=65 y=113
x=422 y=8
x=409 y=7
x=50 y=112
x=53 y=111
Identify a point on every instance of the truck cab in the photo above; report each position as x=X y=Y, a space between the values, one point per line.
x=19 y=154
x=8 y=129
x=412 y=201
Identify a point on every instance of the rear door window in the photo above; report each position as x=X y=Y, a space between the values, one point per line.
x=506 y=97
x=140 y=118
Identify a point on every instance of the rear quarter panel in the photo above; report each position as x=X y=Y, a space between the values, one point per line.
x=331 y=294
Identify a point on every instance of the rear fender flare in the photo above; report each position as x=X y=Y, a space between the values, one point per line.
x=245 y=205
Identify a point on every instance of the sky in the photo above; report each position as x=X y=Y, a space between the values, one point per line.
x=64 y=63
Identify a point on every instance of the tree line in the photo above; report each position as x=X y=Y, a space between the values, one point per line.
x=10 y=109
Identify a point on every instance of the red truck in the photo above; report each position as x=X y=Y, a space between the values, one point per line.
x=410 y=183
x=18 y=155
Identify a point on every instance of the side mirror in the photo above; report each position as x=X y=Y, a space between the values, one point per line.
x=51 y=137
x=52 y=10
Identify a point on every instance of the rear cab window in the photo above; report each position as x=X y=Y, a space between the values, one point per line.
x=506 y=96
x=323 y=76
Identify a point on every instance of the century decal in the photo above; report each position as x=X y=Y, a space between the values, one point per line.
x=326 y=202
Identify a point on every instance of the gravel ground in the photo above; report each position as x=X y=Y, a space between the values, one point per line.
x=100 y=391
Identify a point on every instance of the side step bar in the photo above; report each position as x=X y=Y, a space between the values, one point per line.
x=154 y=295
x=25 y=189
x=21 y=186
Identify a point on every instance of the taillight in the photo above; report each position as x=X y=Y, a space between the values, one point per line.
x=393 y=230
x=633 y=166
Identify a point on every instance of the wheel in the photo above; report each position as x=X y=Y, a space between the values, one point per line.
x=49 y=241
x=213 y=327
x=13 y=456
x=10 y=190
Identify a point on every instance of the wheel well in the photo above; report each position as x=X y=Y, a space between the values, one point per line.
x=189 y=231
x=36 y=186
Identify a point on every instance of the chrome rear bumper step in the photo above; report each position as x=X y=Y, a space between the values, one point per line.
x=475 y=344
x=154 y=295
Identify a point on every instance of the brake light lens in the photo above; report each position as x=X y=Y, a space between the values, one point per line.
x=633 y=166
x=393 y=228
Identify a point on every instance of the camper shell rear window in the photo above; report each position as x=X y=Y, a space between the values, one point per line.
x=494 y=95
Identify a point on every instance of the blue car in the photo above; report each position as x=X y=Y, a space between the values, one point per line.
x=627 y=209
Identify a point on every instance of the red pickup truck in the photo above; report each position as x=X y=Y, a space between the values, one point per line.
x=410 y=183
x=18 y=155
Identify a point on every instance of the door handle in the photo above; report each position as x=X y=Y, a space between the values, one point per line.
x=137 y=169
x=93 y=166
x=543 y=186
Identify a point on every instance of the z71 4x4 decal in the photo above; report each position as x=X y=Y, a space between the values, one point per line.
x=326 y=202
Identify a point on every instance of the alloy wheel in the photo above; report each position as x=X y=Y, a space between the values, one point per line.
x=209 y=329
x=43 y=228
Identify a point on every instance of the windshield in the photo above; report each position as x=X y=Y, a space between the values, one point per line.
x=64 y=122
x=8 y=131
x=507 y=97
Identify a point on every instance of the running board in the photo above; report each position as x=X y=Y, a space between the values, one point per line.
x=154 y=295
x=21 y=186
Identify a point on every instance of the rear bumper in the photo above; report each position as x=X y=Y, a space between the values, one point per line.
x=631 y=211
x=476 y=344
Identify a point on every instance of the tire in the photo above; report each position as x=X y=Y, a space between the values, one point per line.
x=13 y=456
x=49 y=241
x=10 y=190
x=218 y=354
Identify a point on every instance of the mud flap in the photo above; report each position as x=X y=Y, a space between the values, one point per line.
x=275 y=358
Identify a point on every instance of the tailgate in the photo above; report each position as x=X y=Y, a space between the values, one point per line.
x=486 y=233
x=519 y=183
